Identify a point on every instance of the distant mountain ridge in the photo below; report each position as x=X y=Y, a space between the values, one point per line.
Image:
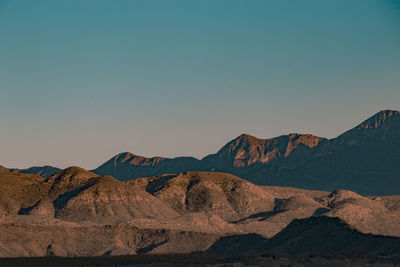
x=365 y=159
x=299 y=160
x=44 y=171
x=126 y=166
x=244 y=151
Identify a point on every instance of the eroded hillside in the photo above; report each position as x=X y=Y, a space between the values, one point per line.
x=76 y=212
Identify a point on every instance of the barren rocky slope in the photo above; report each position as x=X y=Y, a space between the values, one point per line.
x=76 y=212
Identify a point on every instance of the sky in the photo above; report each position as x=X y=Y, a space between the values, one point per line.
x=81 y=81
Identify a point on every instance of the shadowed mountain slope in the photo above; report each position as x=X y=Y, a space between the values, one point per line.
x=365 y=159
x=385 y=125
x=317 y=235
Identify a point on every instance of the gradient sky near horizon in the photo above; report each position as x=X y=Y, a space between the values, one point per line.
x=81 y=81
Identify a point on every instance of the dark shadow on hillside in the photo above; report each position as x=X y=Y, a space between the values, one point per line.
x=318 y=235
x=241 y=244
x=261 y=216
x=63 y=199
x=27 y=210
x=158 y=183
x=320 y=211
x=150 y=248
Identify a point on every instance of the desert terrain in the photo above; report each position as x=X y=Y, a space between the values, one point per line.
x=296 y=198
x=79 y=213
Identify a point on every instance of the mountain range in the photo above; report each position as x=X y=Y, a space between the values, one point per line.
x=241 y=200
x=365 y=159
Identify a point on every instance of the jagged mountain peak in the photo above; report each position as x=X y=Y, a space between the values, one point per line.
x=241 y=142
x=247 y=138
x=133 y=159
x=381 y=126
x=247 y=150
x=380 y=119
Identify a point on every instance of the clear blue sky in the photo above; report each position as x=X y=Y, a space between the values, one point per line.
x=83 y=80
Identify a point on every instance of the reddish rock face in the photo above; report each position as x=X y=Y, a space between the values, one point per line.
x=247 y=150
x=136 y=160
